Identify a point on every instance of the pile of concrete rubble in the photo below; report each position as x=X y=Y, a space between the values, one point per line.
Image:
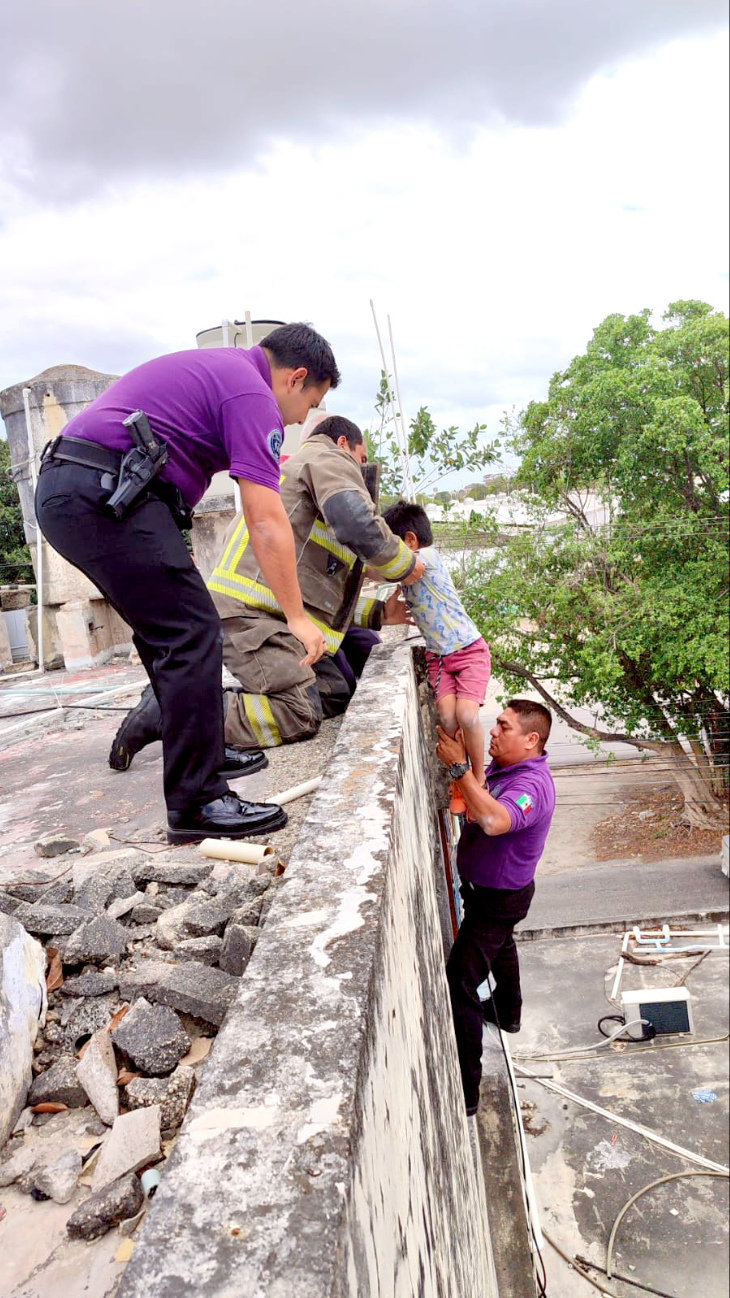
x=141 y=959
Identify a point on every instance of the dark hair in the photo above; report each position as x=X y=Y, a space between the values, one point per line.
x=533 y=716
x=404 y=517
x=336 y=426
x=293 y=345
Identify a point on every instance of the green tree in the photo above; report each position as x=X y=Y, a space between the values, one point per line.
x=622 y=607
x=15 y=564
x=433 y=453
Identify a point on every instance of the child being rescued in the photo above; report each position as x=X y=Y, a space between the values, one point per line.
x=458 y=659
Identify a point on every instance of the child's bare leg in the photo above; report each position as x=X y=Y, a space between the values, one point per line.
x=467 y=720
x=446 y=709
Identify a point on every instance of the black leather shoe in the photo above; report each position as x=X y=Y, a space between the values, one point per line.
x=140 y=727
x=143 y=726
x=240 y=762
x=225 y=817
x=490 y=1017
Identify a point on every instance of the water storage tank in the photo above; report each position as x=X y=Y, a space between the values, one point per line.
x=236 y=333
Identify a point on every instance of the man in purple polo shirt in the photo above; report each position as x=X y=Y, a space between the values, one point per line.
x=213 y=409
x=497 y=855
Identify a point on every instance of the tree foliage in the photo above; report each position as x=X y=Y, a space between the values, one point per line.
x=618 y=590
x=15 y=564
x=433 y=453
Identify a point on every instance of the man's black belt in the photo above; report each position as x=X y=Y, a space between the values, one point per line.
x=74 y=450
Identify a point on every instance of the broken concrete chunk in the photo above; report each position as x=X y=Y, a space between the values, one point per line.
x=116 y=1202
x=185 y=873
x=57 y=894
x=153 y=1037
x=144 y=980
x=55 y=843
x=56 y=920
x=19 y=1164
x=81 y=1018
x=122 y=905
x=95 y=983
x=22 y=1008
x=172 y=1093
x=195 y=989
x=31 y=892
x=97 y=940
x=97 y=1073
x=145 y=912
x=249 y=913
x=59 y=1084
x=205 y=949
x=134 y=1141
x=8 y=904
x=95 y=841
x=97 y=886
x=238 y=944
x=58 y=1180
x=191 y=919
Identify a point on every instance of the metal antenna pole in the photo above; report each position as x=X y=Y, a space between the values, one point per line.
x=410 y=489
x=403 y=450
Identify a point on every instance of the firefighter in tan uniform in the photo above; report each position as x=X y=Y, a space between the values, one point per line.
x=337 y=533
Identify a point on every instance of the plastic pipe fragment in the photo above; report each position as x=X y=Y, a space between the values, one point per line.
x=232 y=849
x=150 y=1181
x=297 y=791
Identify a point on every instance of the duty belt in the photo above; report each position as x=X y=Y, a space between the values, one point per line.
x=75 y=450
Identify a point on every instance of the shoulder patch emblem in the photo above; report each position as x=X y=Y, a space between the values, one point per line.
x=274 y=442
x=525 y=803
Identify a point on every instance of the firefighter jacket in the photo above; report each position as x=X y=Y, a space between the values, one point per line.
x=337 y=531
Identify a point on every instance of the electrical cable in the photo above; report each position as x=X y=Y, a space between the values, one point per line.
x=595 y=1045
x=623 y=1279
x=83 y=707
x=619 y=1018
x=662 y=1180
x=541 y=1276
x=576 y=1266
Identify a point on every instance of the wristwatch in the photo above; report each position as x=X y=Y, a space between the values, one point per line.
x=457 y=770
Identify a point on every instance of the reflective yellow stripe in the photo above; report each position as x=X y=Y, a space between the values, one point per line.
x=253 y=595
x=261 y=720
x=276 y=738
x=240 y=527
x=322 y=536
x=252 y=718
x=397 y=567
x=363 y=612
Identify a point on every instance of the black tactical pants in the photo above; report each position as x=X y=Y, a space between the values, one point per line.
x=140 y=563
x=484 y=945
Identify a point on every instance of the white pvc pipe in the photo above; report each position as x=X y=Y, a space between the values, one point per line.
x=249 y=329
x=623 y=1122
x=230 y=849
x=296 y=791
x=38 y=533
x=226 y=330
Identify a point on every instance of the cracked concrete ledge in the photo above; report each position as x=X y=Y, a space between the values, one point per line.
x=326 y=1153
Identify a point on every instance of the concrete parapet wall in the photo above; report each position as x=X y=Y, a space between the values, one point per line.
x=326 y=1153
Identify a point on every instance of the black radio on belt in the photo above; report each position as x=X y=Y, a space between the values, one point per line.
x=139 y=466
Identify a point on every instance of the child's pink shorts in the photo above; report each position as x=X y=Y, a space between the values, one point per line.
x=464 y=673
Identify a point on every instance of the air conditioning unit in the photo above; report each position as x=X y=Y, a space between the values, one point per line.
x=666 y=1009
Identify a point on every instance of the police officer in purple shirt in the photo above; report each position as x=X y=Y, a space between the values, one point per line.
x=193 y=413
x=507 y=825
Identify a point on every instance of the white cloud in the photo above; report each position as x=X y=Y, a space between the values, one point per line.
x=495 y=260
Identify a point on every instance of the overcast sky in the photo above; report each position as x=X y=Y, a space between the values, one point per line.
x=499 y=175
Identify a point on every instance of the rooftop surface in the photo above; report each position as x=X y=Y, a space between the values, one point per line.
x=586 y=1167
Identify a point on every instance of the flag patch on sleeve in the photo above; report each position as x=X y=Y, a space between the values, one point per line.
x=525 y=803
